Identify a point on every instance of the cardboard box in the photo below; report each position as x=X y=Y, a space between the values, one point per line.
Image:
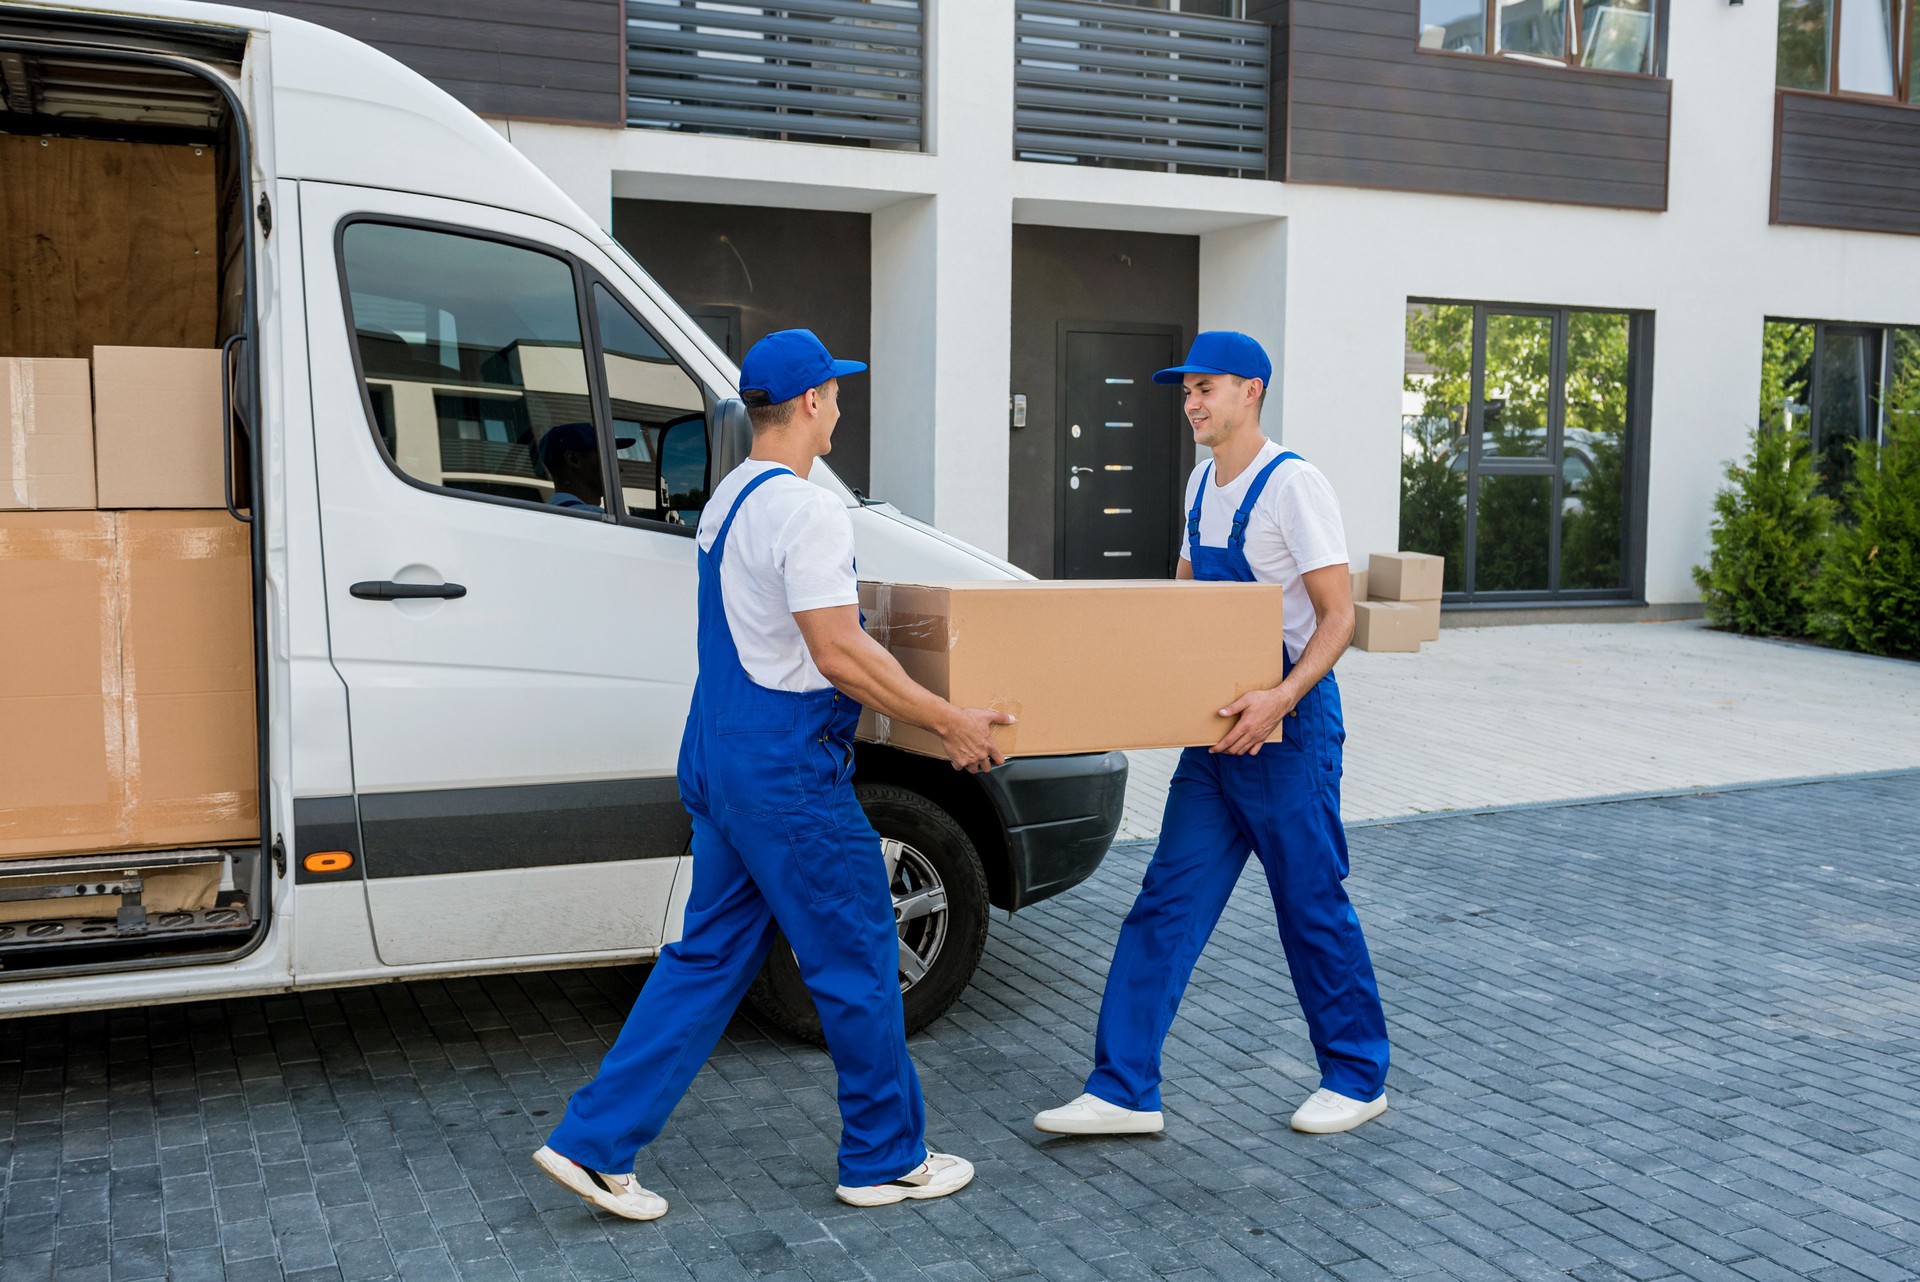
x=186 y=625
x=1390 y=626
x=1357 y=579
x=1429 y=611
x=1084 y=666
x=1405 y=576
x=46 y=435
x=165 y=890
x=126 y=681
x=156 y=428
x=63 y=786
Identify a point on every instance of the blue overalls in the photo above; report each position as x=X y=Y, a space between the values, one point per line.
x=778 y=838
x=1283 y=804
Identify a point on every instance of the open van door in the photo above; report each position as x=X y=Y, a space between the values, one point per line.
x=510 y=599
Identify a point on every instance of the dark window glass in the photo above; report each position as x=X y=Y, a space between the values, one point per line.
x=1805 y=37
x=1902 y=402
x=1537 y=27
x=1458 y=25
x=1515 y=529
x=1846 y=406
x=1435 y=395
x=1519 y=386
x=1617 y=35
x=1593 y=485
x=1786 y=375
x=650 y=395
x=474 y=364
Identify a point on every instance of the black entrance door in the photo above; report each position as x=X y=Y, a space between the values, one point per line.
x=1120 y=447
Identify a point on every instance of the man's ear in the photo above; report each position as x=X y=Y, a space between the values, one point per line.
x=1256 y=388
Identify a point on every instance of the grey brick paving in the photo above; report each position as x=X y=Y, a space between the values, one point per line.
x=1646 y=1040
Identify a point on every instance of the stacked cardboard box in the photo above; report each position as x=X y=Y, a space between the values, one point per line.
x=128 y=681
x=126 y=641
x=1402 y=605
x=1082 y=666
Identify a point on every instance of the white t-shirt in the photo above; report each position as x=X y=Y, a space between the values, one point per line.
x=1294 y=528
x=790 y=549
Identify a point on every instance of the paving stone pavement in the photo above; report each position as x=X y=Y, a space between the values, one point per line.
x=1670 y=1038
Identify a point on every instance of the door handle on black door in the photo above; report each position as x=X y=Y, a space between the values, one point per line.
x=388 y=590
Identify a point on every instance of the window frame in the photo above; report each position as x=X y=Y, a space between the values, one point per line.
x=583 y=277
x=1903 y=62
x=1815 y=384
x=1636 y=444
x=1570 y=61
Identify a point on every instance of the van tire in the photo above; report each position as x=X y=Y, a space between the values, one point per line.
x=935 y=845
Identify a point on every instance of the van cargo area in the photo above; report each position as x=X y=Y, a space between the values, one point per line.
x=130 y=817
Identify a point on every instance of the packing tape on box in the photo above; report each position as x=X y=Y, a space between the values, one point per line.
x=905 y=629
x=55 y=545
x=19 y=415
x=187 y=543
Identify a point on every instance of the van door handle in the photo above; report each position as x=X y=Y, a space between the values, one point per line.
x=388 y=590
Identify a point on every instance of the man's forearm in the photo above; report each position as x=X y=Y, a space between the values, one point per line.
x=862 y=669
x=1323 y=649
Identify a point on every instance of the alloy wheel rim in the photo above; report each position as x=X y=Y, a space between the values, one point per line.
x=920 y=909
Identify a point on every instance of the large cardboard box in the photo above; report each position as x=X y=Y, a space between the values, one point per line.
x=1405 y=576
x=1393 y=627
x=62 y=786
x=1357 y=580
x=156 y=427
x=186 y=624
x=46 y=435
x=1082 y=666
x=126 y=682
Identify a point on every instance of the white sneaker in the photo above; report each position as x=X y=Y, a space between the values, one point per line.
x=939 y=1175
x=620 y=1194
x=1329 y=1112
x=1091 y=1115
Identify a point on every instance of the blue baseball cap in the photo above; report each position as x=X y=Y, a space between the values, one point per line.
x=788 y=362
x=564 y=437
x=1222 y=351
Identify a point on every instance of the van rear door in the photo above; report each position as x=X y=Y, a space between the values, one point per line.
x=518 y=661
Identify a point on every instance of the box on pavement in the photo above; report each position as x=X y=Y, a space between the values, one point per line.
x=1357 y=579
x=1405 y=576
x=46 y=435
x=156 y=427
x=1083 y=666
x=1387 y=626
x=1429 y=612
x=127 y=671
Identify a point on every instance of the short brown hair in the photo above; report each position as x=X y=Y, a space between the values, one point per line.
x=765 y=413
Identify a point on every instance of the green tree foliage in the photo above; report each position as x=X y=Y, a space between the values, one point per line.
x=1868 y=593
x=1767 y=532
x=1802 y=58
x=1786 y=372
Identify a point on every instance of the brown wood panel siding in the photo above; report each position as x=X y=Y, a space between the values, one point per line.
x=1365 y=107
x=559 y=60
x=1840 y=162
x=1275 y=14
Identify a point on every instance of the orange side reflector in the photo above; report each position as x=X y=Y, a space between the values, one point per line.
x=328 y=861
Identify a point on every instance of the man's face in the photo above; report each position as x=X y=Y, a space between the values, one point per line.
x=1217 y=405
x=578 y=473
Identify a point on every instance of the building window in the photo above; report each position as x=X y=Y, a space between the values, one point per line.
x=1517 y=431
x=1838 y=384
x=1856 y=47
x=1605 y=35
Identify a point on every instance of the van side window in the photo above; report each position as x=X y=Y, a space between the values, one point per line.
x=474 y=365
x=659 y=417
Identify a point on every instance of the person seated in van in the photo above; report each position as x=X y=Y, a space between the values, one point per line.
x=780 y=843
x=570 y=454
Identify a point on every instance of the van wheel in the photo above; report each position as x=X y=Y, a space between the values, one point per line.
x=939 y=904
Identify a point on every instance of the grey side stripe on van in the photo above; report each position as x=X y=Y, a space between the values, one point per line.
x=417 y=834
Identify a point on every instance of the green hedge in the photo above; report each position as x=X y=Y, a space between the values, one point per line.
x=1768 y=530
x=1867 y=595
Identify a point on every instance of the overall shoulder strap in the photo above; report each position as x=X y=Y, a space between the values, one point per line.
x=1238 y=537
x=1193 y=515
x=719 y=548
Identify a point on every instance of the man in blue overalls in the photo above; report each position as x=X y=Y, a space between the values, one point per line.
x=1254 y=513
x=766 y=769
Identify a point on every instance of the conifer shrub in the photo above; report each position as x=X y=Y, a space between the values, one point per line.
x=1768 y=529
x=1867 y=596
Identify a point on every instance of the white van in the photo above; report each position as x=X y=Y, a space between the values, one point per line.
x=469 y=697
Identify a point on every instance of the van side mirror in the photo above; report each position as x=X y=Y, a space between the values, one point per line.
x=732 y=437
x=684 y=476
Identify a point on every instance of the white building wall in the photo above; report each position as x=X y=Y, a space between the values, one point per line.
x=1320 y=274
